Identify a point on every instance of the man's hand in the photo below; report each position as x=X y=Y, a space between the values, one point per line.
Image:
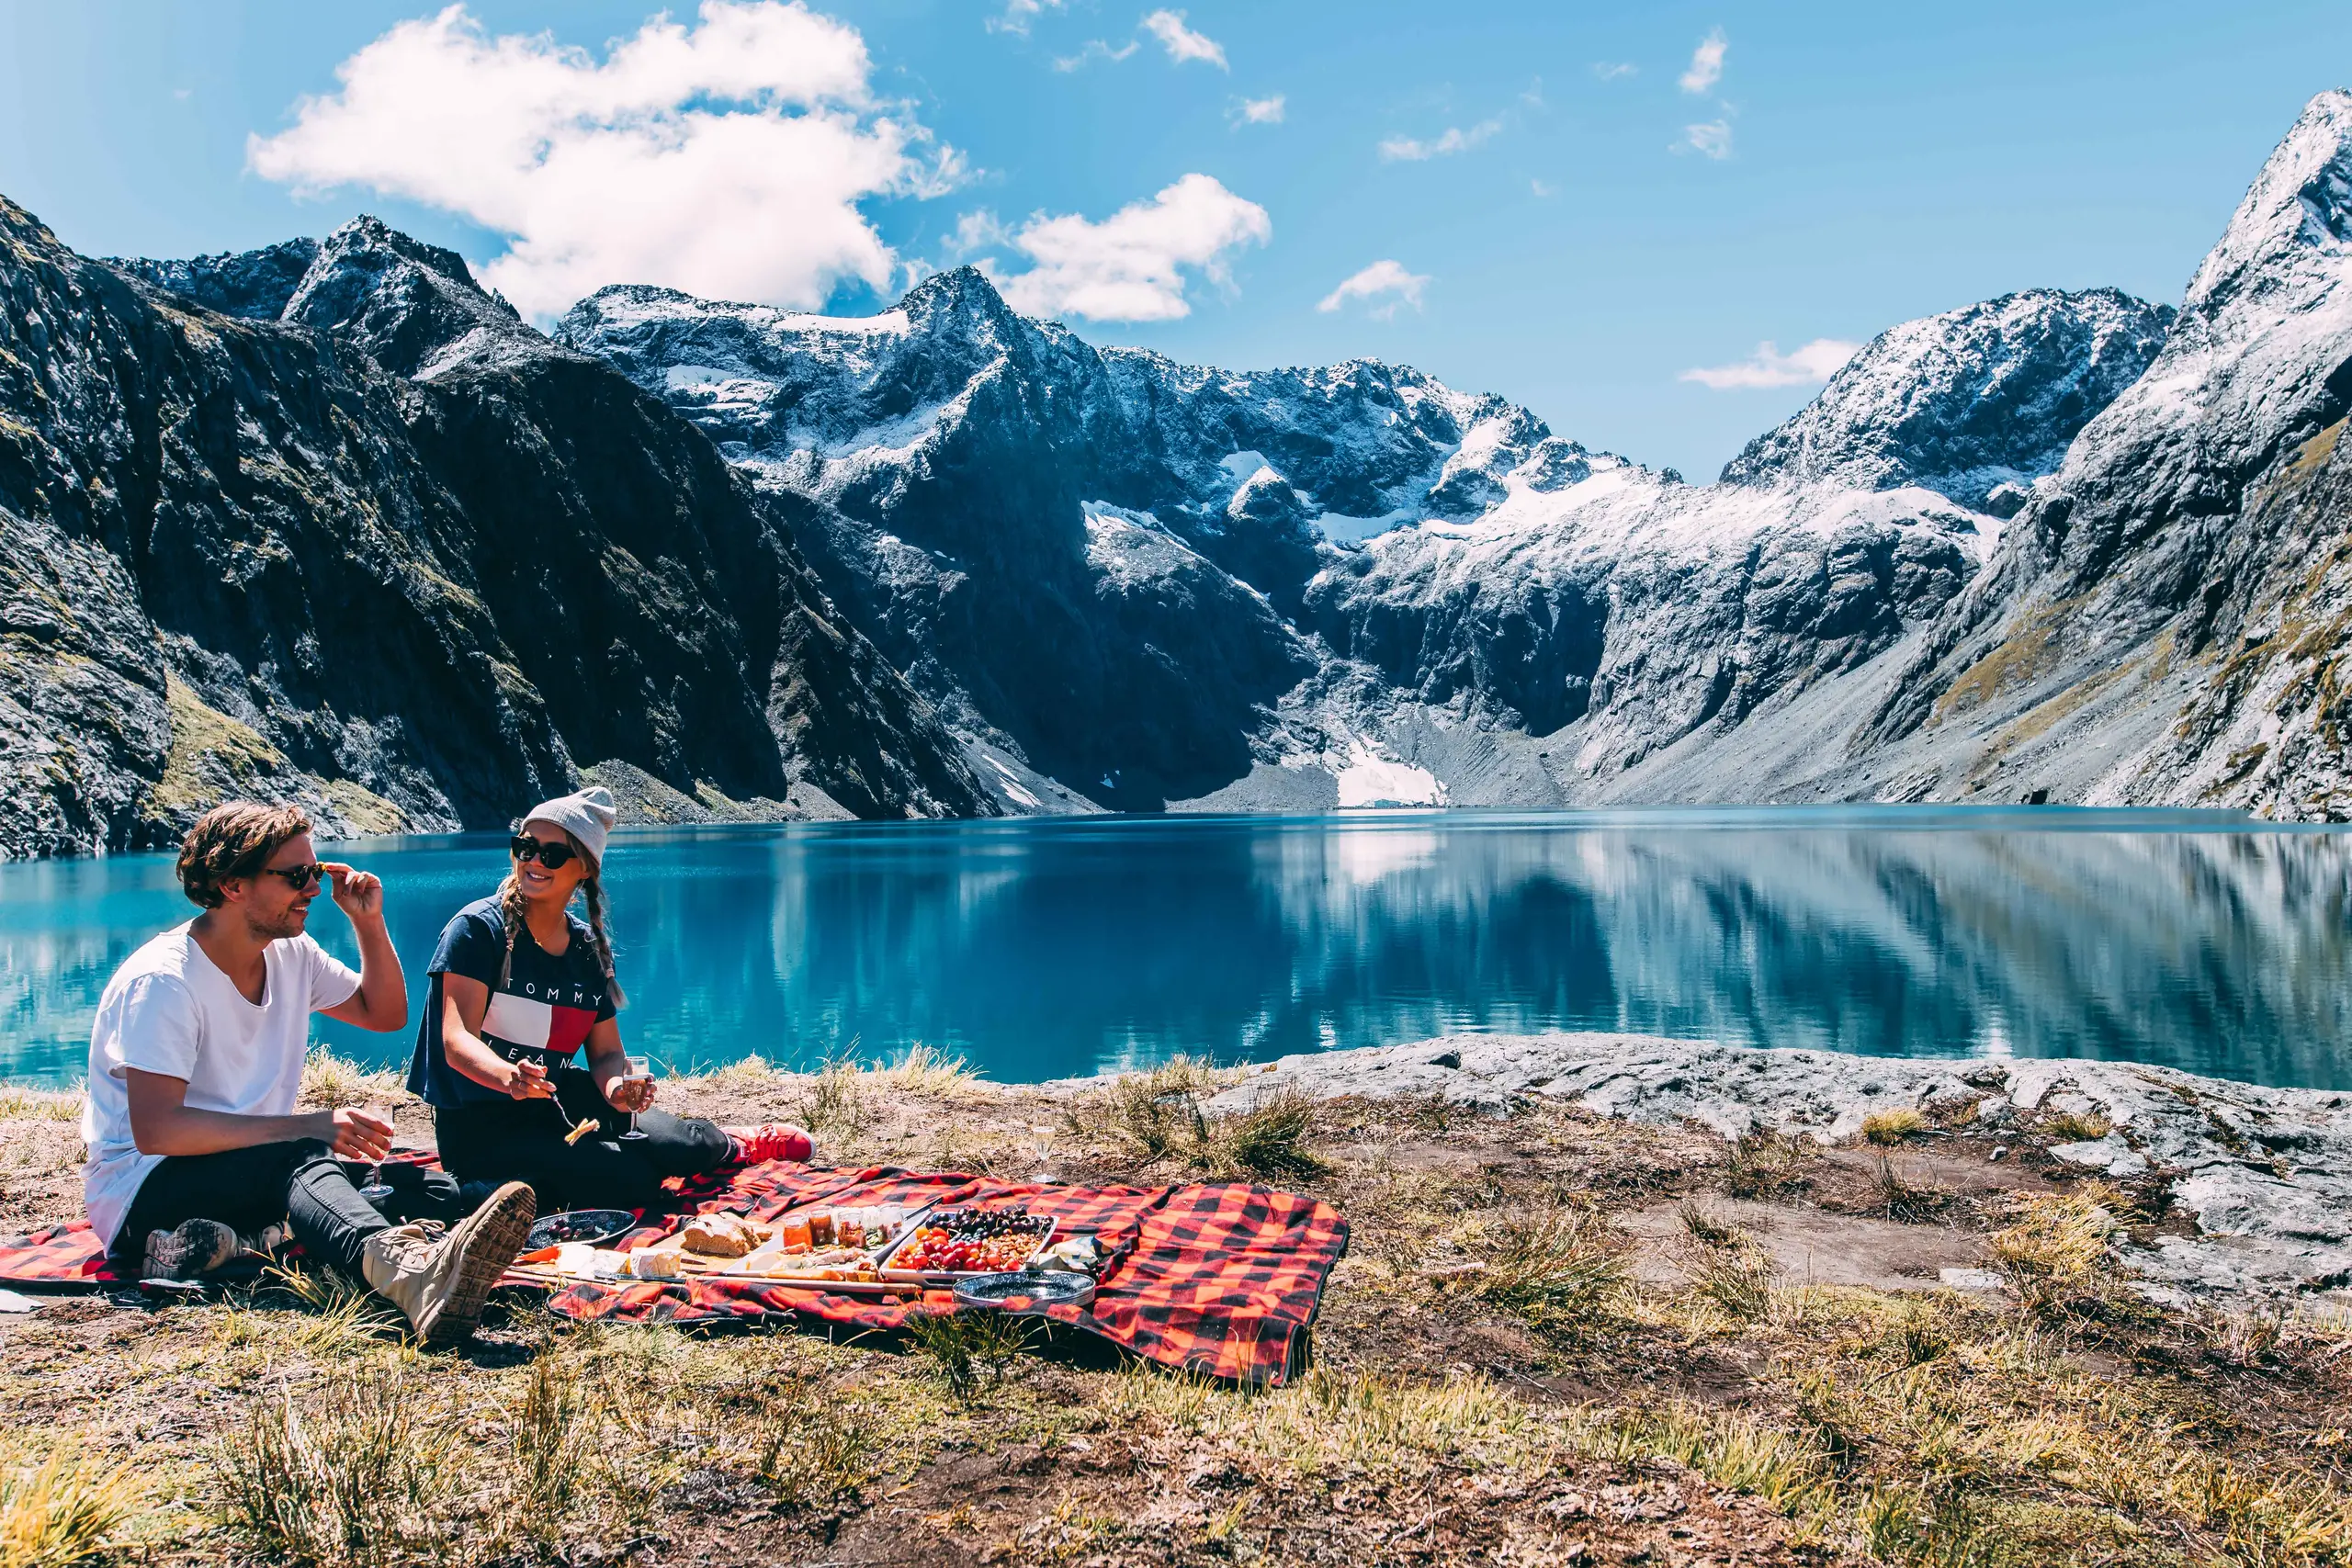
x=357 y=894
x=526 y=1079
x=356 y=1134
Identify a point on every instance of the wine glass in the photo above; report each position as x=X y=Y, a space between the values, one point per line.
x=638 y=1067
x=1043 y=1137
x=376 y=1189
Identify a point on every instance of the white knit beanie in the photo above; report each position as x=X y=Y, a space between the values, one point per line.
x=587 y=817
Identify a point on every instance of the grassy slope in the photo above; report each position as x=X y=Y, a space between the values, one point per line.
x=1554 y=1335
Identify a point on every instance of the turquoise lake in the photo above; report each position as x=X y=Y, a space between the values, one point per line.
x=1049 y=947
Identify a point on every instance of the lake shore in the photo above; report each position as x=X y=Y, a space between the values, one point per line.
x=1610 y=1299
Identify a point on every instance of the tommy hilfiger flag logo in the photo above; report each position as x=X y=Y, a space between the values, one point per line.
x=557 y=1026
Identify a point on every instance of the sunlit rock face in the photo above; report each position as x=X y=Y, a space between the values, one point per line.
x=326 y=522
x=2164 y=620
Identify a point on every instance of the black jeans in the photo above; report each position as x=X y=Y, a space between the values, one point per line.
x=247 y=1189
x=522 y=1140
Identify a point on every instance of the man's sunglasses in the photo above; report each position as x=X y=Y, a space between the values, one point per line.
x=553 y=856
x=298 y=877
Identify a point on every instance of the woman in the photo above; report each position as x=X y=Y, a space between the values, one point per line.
x=519 y=985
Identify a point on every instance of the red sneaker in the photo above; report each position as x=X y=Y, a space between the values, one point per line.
x=773 y=1140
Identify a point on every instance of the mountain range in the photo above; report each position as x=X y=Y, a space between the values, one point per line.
x=328 y=520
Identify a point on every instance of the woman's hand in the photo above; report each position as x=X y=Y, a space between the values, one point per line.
x=526 y=1079
x=629 y=1094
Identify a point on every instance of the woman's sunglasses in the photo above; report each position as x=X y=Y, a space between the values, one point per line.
x=553 y=856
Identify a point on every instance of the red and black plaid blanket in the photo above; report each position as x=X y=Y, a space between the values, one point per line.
x=1219 y=1279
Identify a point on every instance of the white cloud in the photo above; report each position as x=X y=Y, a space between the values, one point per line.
x=1019 y=14
x=1381 y=279
x=1706 y=62
x=1180 y=41
x=1609 y=70
x=1541 y=188
x=1134 y=265
x=1258 y=111
x=1816 y=362
x=977 y=230
x=1455 y=140
x=1713 y=137
x=1095 y=50
x=727 y=157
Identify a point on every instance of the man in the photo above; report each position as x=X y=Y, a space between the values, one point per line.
x=196 y=1062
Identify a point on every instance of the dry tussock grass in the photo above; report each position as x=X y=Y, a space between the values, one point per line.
x=2075 y=1127
x=2053 y=1253
x=1558 y=1266
x=1891 y=1127
x=1983 y=1440
x=1768 y=1164
x=330 y=1082
x=389 y=1461
x=39 y=1104
x=1144 y=1119
x=62 y=1509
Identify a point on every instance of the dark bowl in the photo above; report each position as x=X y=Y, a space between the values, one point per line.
x=595 y=1227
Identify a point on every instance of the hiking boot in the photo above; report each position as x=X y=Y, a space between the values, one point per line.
x=774 y=1140
x=190 y=1252
x=441 y=1278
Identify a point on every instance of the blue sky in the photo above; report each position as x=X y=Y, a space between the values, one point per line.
x=1580 y=247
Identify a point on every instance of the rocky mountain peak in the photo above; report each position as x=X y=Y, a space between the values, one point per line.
x=2298 y=212
x=254 y=284
x=403 y=301
x=1966 y=403
x=2260 y=355
x=955 y=299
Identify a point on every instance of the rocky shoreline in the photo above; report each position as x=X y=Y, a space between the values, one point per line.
x=2263 y=1174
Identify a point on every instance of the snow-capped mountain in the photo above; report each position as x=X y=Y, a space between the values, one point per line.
x=1974 y=403
x=1402 y=584
x=327 y=521
x=2165 y=621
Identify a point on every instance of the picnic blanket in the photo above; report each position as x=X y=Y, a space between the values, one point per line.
x=1222 y=1280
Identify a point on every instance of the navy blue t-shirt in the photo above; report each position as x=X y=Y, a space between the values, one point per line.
x=544 y=1010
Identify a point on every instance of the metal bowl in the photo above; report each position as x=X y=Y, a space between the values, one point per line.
x=595 y=1227
x=1036 y=1291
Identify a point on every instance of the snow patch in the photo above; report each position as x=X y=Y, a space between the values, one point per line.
x=1011 y=784
x=1342 y=529
x=1368 y=779
x=1244 y=465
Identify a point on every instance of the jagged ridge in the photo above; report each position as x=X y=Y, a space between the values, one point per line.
x=245 y=553
x=1418 y=548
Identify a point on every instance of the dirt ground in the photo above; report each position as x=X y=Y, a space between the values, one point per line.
x=1556 y=1339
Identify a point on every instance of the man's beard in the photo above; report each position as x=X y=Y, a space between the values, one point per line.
x=289 y=924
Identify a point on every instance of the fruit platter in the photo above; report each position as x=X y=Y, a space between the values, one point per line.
x=948 y=1245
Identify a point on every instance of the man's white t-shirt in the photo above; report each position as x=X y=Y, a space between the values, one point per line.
x=169 y=1009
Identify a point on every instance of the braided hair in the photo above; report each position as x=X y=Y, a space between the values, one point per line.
x=511 y=909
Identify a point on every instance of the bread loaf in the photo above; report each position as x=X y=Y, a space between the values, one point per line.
x=722 y=1236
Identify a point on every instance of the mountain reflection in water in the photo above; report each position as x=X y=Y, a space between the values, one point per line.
x=1053 y=947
